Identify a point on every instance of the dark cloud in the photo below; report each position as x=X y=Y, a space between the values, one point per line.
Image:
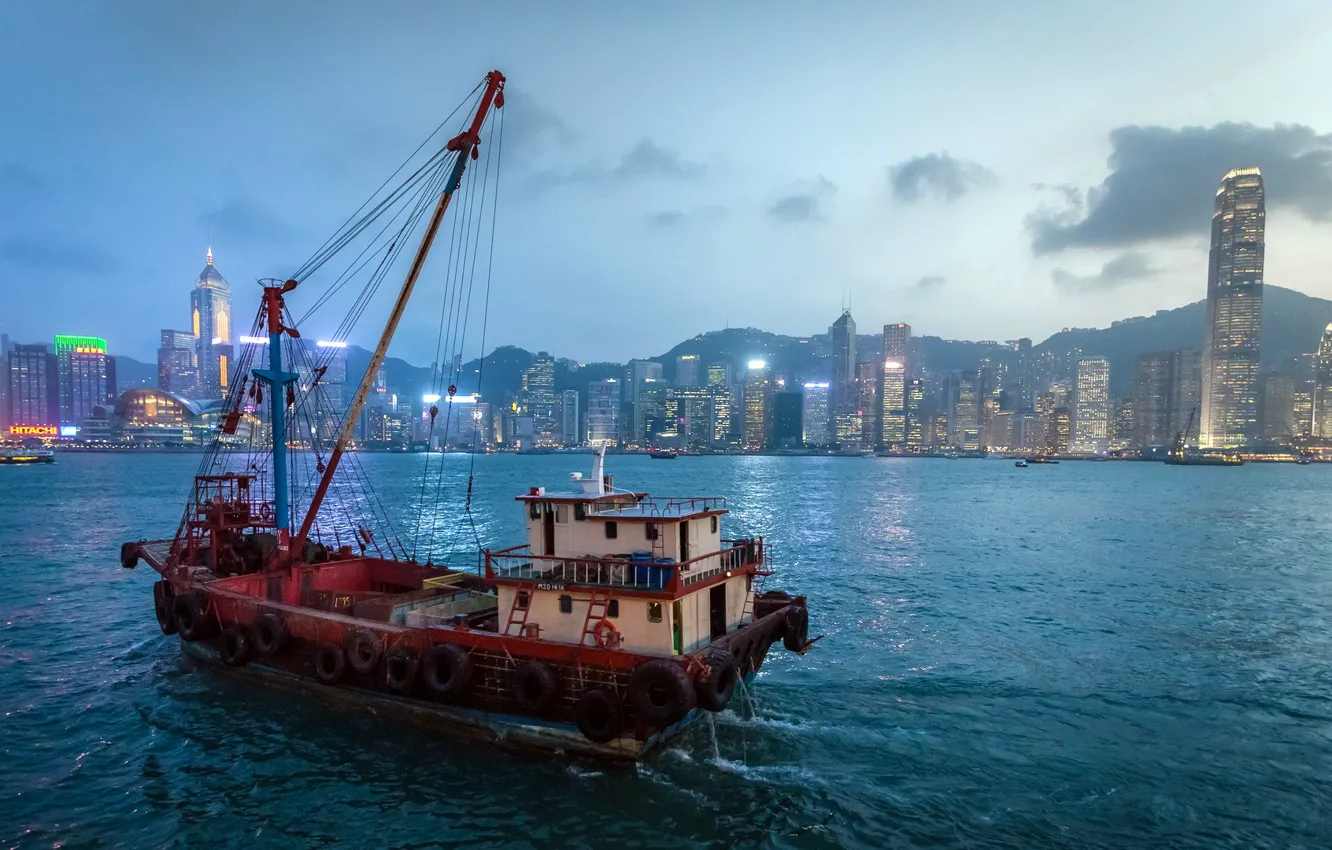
x=803 y=205
x=666 y=218
x=929 y=283
x=53 y=254
x=529 y=125
x=1122 y=270
x=1162 y=182
x=938 y=175
x=245 y=219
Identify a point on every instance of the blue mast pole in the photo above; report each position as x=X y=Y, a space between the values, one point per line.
x=277 y=381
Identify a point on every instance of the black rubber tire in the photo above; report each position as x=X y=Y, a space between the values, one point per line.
x=795 y=628
x=400 y=667
x=363 y=650
x=236 y=648
x=268 y=634
x=716 y=685
x=599 y=715
x=447 y=670
x=661 y=692
x=163 y=596
x=129 y=555
x=194 y=620
x=534 y=687
x=329 y=663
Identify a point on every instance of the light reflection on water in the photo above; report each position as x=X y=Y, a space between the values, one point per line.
x=1074 y=655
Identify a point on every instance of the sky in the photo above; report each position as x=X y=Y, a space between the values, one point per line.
x=980 y=170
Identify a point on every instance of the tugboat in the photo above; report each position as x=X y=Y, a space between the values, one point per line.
x=663 y=454
x=615 y=624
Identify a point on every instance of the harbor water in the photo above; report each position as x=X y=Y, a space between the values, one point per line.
x=1073 y=655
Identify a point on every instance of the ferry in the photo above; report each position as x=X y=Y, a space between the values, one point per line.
x=15 y=456
x=619 y=619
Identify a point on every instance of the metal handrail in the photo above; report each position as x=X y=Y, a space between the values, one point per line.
x=619 y=572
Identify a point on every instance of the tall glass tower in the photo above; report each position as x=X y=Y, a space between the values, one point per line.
x=210 y=303
x=1230 y=383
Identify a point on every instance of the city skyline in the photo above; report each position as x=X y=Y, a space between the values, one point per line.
x=1044 y=218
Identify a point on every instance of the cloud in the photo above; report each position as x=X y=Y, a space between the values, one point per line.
x=245 y=219
x=937 y=175
x=529 y=125
x=645 y=160
x=1162 y=182
x=1121 y=271
x=929 y=283
x=53 y=254
x=666 y=218
x=803 y=205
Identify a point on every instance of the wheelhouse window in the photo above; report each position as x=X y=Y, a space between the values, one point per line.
x=652 y=531
x=566 y=604
x=613 y=608
x=523 y=600
x=534 y=510
x=654 y=612
x=714 y=525
x=580 y=511
x=612 y=530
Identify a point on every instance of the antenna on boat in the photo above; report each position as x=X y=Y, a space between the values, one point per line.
x=465 y=144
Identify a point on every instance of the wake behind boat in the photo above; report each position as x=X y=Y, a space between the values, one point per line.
x=616 y=623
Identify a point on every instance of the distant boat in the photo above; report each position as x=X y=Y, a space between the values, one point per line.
x=1021 y=463
x=1040 y=459
x=1182 y=454
x=26 y=456
x=663 y=454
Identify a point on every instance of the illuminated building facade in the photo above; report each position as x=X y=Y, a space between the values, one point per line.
x=719 y=375
x=869 y=384
x=33 y=386
x=210 y=306
x=722 y=417
x=539 y=400
x=915 y=424
x=815 y=418
x=644 y=412
x=570 y=433
x=1091 y=406
x=686 y=371
x=1234 y=312
x=893 y=404
x=964 y=417
x=842 y=346
x=757 y=406
x=1278 y=408
x=177 y=362
x=1165 y=395
x=1322 y=389
x=87 y=377
x=603 y=412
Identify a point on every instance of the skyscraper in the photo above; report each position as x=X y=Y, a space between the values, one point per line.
x=539 y=399
x=842 y=346
x=1322 y=390
x=177 y=362
x=87 y=376
x=603 y=412
x=757 y=406
x=569 y=418
x=686 y=370
x=964 y=417
x=210 y=304
x=816 y=420
x=869 y=382
x=915 y=423
x=893 y=404
x=1234 y=312
x=1091 y=406
x=1278 y=408
x=787 y=419
x=1165 y=396
x=897 y=345
x=34 y=388
x=719 y=375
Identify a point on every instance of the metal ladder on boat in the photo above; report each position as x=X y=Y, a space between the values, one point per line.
x=518 y=614
x=597 y=609
x=755 y=590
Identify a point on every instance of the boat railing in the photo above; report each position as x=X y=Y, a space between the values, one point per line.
x=518 y=563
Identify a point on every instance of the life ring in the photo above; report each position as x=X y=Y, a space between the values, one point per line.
x=661 y=692
x=270 y=633
x=606 y=635
x=190 y=611
x=400 y=670
x=599 y=715
x=329 y=663
x=534 y=687
x=235 y=646
x=448 y=670
x=715 y=684
x=266 y=512
x=363 y=650
x=795 y=628
x=162 y=603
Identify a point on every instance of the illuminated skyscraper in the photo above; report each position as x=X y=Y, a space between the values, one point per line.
x=893 y=404
x=1234 y=312
x=1091 y=406
x=816 y=420
x=964 y=418
x=1165 y=397
x=897 y=345
x=1278 y=408
x=916 y=435
x=842 y=344
x=1322 y=390
x=719 y=375
x=569 y=418
x=603 y=412
x=757 y=406
x=869 y=383
x=539 y=399
x=87 y=377
x=210 y=304
x=34 y=388
x=686 y=370
x=177 y=362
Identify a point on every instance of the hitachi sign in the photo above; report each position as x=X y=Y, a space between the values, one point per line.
x=33 y=430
